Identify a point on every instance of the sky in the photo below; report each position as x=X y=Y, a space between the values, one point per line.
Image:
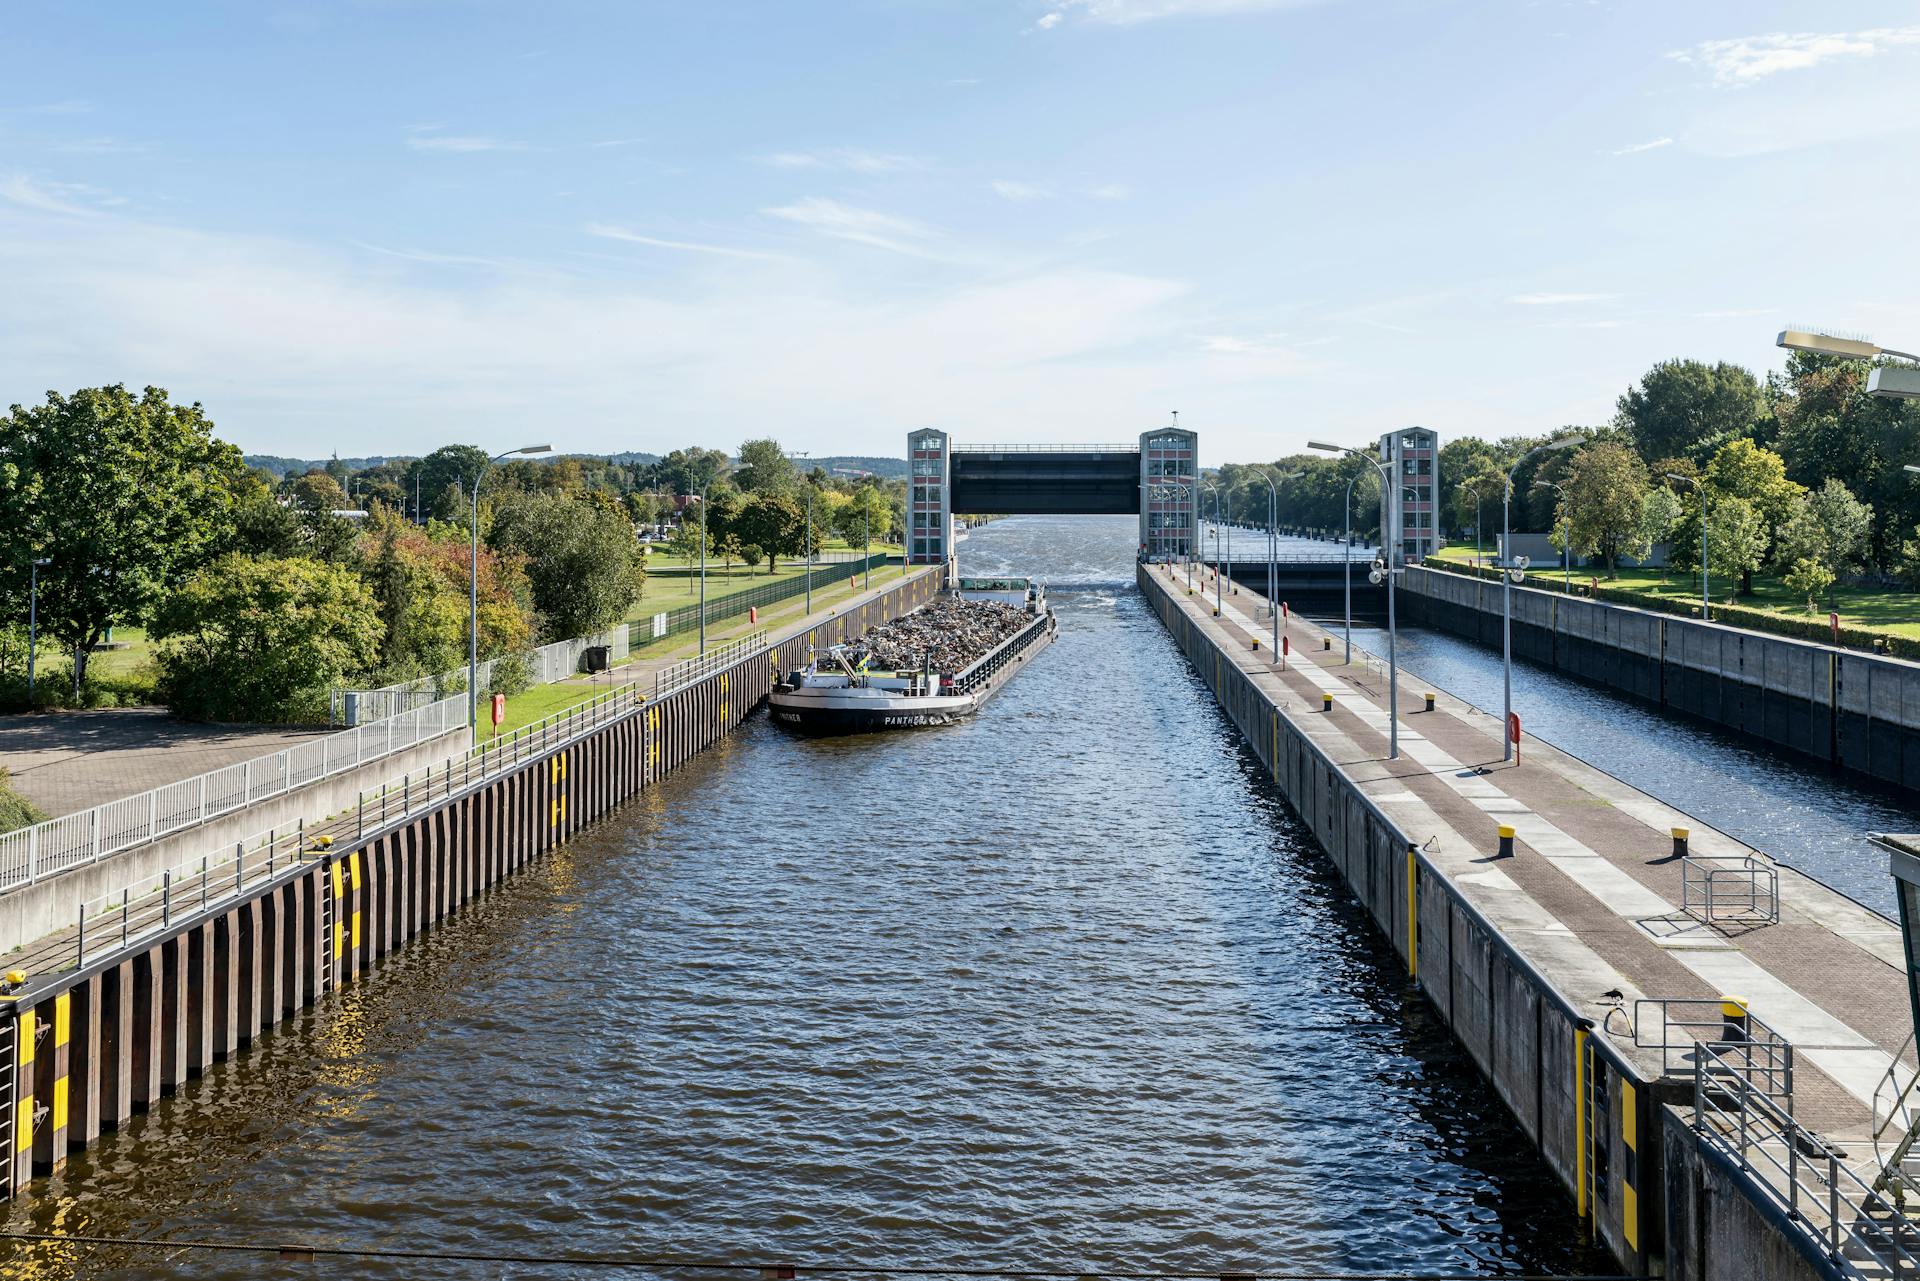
x=377 y=226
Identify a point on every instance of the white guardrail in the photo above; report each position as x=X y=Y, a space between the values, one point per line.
x=546 y=665
x=47 y=849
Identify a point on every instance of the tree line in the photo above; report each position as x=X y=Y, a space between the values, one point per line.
x=1800 y=474
x=262 y=592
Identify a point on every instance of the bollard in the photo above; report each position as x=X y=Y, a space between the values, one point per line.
x=1680 y=842
x=1506 y=841
x=1429 y=701
x=1733 y=1019
x=1256 y=643
x=1326 y=643
x=1326 y=702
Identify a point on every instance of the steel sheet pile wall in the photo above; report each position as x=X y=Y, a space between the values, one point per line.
x=91 y=1047
x=1857 y=711
x=1581 y=1105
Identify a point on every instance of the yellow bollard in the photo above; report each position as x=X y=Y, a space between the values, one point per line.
x=1429 y=702
x=1680 y=835
x=1326 y=702
x=1506 y=841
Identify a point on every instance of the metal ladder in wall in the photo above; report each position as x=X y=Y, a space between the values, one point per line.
x=1884 y=1235
x=329 y=921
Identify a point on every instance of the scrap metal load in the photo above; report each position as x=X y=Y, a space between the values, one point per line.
x=947 y=636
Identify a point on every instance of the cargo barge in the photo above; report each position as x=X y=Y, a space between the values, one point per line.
x=847 y=693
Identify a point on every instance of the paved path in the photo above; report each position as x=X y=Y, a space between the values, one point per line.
x=1592 y=891
x=67 y=761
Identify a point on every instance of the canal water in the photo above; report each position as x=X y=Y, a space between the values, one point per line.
x=1064 y=986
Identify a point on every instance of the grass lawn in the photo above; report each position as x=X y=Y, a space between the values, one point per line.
x=780 y=614
x=1893 y=610
x=530 y=705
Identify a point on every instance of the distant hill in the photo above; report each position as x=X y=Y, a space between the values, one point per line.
x=301 y=466
x=884 y=468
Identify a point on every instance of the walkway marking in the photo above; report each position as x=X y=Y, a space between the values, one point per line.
x=1851 y=1058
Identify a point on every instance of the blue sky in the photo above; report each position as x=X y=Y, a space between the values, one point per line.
x=379 y=226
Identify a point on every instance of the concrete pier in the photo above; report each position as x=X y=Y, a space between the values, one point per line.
x=1574 y=962
x=101 y=1032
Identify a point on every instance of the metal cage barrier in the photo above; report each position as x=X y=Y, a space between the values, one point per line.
x=1730 y=891
x=1690 y=1031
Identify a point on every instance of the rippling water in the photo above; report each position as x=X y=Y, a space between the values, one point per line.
x=1064 y=985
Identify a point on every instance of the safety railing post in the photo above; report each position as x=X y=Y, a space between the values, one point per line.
x=80 y=951
x=246 y=780
x=239 y=858
x=166 y=898
x=206 y=871
x=360 y=821
x=126 y=901
x=93 y=819
x=1833 y=1202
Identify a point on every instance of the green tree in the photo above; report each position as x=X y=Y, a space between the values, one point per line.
x=772 y=522
x=581 y=559
x=124 y=495
x=1829 y=527
x=247 y=639
x=1602 y=506
x=1660 y=511
x=1809 y=577
x=450 y=467
x=1736 y=542
x=1679 y=404
x=764 y=468
x=1754 y=473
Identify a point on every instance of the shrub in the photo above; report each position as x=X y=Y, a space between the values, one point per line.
x=16 y=811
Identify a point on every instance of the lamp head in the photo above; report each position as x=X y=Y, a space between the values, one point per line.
x=1826 y=344
x=534 y=449
x=1331 y=449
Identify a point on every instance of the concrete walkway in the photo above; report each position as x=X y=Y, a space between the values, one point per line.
x=68 y=761
x=1592 y=890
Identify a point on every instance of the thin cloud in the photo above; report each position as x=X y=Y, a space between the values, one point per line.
x=428 y=138
x=1557 y=300
x=1111 y=191
x=67 y=107
x=1639 y=147
x=53 y=197
x=849 y=159
x=429 y=256
x=608 y=231
x=861 y=226
x=1749 y=59
x=1736 y=313
x=1019 y=192
x=1123 y=13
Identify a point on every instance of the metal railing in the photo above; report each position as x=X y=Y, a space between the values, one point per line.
x=46 y=849
x=1690 y=1030
x=970 y=678
x=149 y=905
x=1857 y=1227
x=1728 y=890
x=686 y=672
x=1132 y=448
x=674 y=622
x=546 y=664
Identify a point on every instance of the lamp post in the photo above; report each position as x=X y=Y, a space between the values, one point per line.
x=1391 y=550
x=1894 y=382
x=473 y=586
x=1217 y=606
x=1348 y=566
x=1273 y=552
x=703 y=563
x=809 y=551
x=1507 y=569
x=1706 y=603
x=33 y=618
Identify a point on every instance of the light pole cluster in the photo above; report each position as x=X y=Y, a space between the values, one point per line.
x=1390 y=550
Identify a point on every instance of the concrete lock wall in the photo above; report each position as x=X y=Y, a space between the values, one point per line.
x=90 y=1048
x=1583 y=1109
x=1856 y=711
x=34 y=911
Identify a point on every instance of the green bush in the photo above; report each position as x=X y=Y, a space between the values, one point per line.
x=16 y=811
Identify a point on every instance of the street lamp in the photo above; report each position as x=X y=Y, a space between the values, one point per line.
x=703 y=562
x=1507 y=569
x=1273 y=552
x=1391 y=552
x=33 y=618
x=473 y=586
x=1347 y=556
x=1705 y=601
x=1893 y=382
x=1217 y=606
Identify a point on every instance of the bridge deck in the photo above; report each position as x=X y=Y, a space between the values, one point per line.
x=1592 y=893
